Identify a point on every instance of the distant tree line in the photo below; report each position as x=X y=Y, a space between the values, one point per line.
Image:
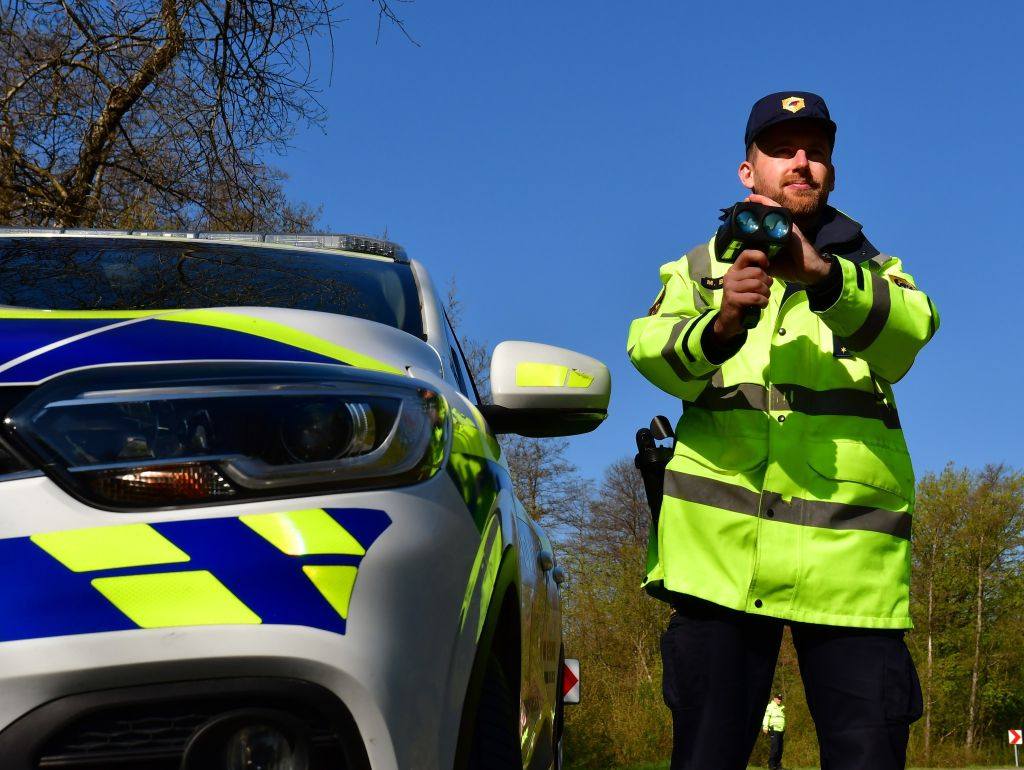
x=968 y=606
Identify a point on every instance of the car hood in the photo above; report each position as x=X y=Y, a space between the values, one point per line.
x=36 y=345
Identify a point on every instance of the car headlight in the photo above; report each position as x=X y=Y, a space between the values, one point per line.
x=158 y=435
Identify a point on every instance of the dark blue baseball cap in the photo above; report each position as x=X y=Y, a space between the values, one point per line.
x=788 y=105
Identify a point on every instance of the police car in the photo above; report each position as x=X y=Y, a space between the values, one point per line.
x=254 y=515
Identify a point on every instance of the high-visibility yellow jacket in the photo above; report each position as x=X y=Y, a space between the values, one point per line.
x=774 y=717
x=790 y=492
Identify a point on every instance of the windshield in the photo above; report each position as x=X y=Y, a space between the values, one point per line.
x=126 y=274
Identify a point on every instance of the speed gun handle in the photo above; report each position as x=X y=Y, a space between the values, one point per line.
x=730 y=252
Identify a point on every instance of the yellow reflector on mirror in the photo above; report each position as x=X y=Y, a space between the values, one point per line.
x=128 y=545
x=301 y=533
x=175 y=599
x=335 y=583
x=535 y=375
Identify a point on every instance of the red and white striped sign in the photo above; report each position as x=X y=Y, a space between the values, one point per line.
x=571 y=681
x=1016 y=737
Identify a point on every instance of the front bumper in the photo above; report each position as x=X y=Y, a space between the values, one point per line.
x=398 y=666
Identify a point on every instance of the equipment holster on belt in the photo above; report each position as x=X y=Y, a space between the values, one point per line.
x=651 y=460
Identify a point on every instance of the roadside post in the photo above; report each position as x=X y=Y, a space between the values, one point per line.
x=1016 y=738
x=571 y=682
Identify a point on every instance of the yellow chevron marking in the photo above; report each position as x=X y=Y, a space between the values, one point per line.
x=335 y=583
x=300 y=533
x=175 y=599
x=128 y=545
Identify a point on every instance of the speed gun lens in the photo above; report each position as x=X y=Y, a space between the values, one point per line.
x=776 y=226
x=747 y=222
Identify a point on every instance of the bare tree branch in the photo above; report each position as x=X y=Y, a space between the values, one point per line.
x=386 y=13
x=166 y=107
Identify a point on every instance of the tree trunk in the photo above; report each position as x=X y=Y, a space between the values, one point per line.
x=972 y=707
x=640 y=644
x=81 y=182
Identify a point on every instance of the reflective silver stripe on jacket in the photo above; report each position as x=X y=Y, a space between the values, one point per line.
x=842 y=402
x=874 y=323
x=809 y=513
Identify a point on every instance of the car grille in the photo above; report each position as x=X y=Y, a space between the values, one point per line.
x=121 y=737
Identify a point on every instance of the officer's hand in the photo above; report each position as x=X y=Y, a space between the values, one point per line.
x=746 y=285
x=799 y=261
x=764 y=730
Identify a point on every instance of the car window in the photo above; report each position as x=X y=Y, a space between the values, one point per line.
x=454 y=361
x=467 y=372
x=126 y=274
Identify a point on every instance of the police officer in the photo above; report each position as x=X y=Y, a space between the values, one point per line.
x=790 y=493
x=774 y=726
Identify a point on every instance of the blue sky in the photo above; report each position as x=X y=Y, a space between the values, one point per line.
x=551 y=156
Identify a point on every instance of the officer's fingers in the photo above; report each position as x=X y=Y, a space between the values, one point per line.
x=750 y=299
x=750 y=285
x=750 y=257
x=764 y=199
x=748 y=272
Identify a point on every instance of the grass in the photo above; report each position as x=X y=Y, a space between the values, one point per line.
x=664 y=766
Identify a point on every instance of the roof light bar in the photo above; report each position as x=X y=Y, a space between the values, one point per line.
x=360 y=244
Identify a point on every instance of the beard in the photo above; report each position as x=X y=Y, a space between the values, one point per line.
x=804 y=204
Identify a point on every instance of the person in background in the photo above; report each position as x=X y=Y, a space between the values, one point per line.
x=774 y=726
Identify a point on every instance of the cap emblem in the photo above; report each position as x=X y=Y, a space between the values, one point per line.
x=793 y=104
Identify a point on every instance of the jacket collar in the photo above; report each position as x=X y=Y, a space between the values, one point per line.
x=843 y=236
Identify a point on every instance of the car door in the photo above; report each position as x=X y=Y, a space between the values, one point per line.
x=549 y=623
x=533 y=595
x=541 y=643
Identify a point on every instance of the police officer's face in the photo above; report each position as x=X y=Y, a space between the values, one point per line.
x=791 y=163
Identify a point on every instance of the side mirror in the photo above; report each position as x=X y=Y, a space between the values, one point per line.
x=542 y=391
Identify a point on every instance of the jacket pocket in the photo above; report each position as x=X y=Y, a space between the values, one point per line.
x=722 y=452
x=888 y=470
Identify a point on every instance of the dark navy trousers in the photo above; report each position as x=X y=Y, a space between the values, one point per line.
x=861 y=687
x=775 y=752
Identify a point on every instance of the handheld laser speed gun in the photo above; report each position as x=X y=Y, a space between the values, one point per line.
x=752 y=226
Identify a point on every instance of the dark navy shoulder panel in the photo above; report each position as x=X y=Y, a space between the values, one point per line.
x=843 y=236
